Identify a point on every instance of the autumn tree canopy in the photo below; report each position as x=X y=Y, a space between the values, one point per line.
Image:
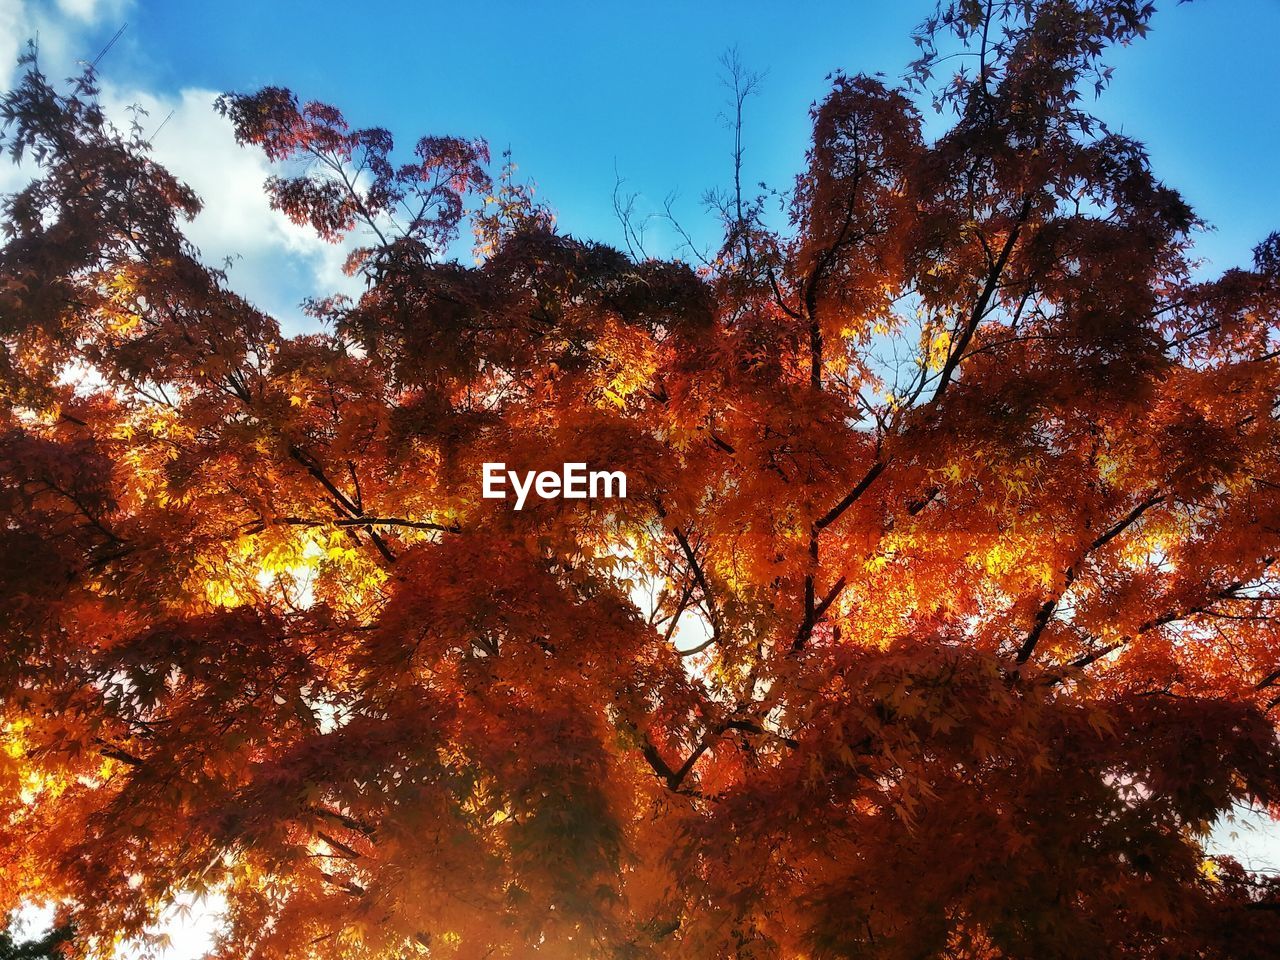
x=940 y=619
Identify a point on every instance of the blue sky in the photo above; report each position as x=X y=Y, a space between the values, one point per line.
x=576 y=87
x=581 y=90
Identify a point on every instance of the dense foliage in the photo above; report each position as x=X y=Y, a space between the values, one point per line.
x=939 y=621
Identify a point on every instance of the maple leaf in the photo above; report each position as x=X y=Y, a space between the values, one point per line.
x=957 y=656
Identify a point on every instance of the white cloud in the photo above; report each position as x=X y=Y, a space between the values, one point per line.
x=1249 y=835
x=10 y=38
x=60 y=29
x=275 y=262
x=91 y=11
x=276 y=259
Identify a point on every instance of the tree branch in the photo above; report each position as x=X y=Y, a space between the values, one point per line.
x=1047 y=609
x=983 y=302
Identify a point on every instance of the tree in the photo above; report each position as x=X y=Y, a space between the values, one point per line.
x=957 y=656
x=47 y=947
